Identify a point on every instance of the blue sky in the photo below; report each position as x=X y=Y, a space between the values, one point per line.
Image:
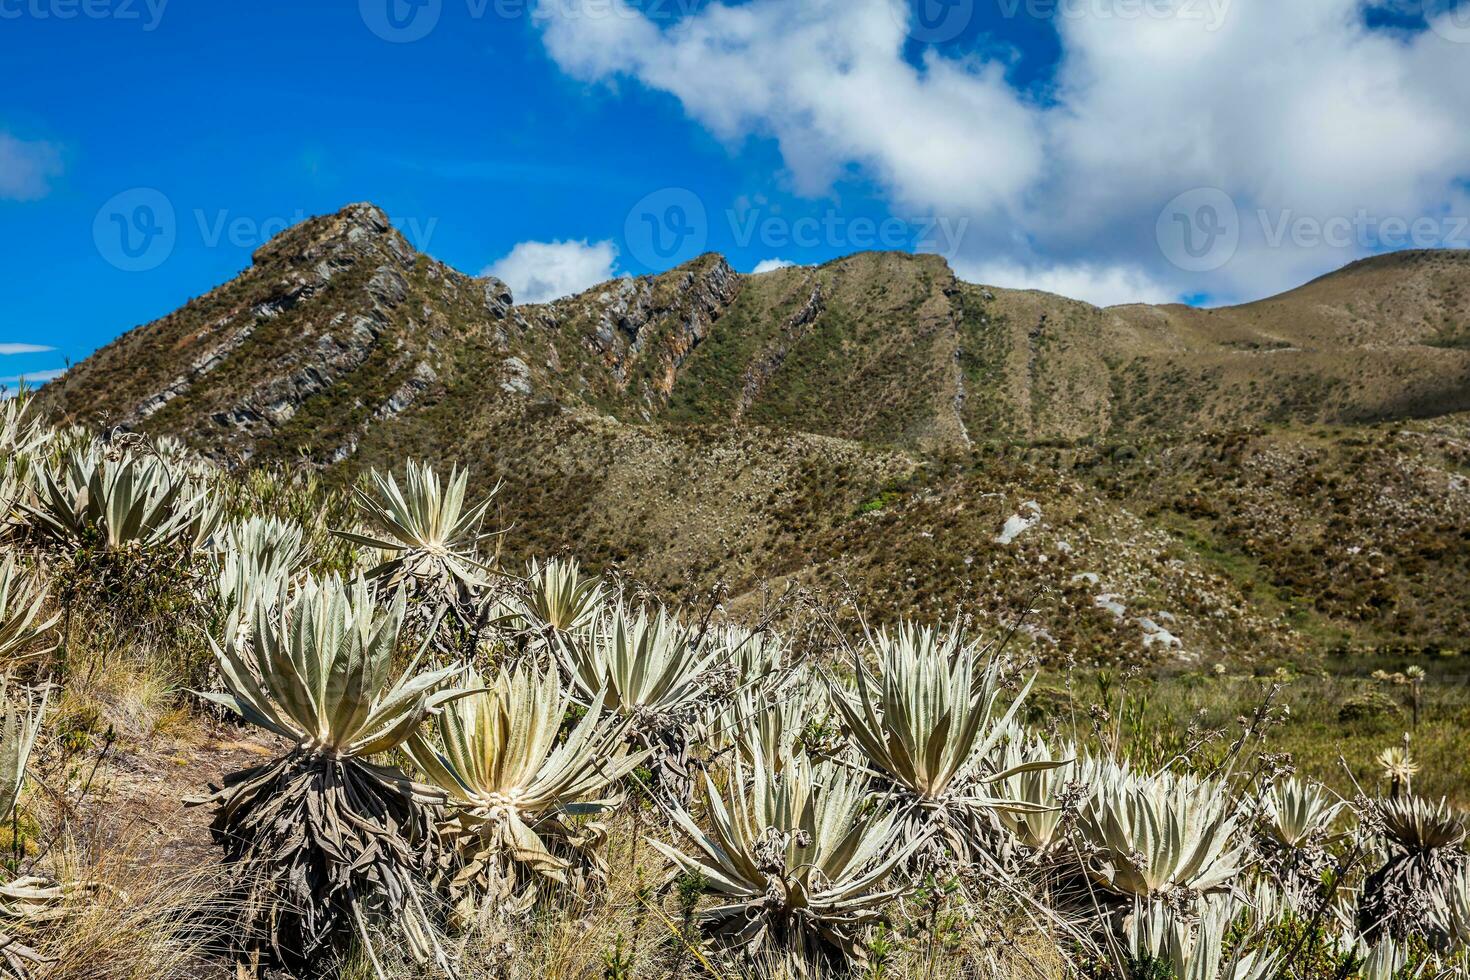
x=1107 y=149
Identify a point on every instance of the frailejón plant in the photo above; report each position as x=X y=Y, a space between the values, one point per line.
x=804 y=859
x=519 y=793
x=326 y=843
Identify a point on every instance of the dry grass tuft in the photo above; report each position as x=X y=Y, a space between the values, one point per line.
x=109 y=691
x=134 y=921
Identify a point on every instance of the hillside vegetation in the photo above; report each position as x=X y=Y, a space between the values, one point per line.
x=1278 y=482
x=840 y=621
x=257 y=725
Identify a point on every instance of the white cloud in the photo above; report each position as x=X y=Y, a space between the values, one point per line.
x=26 y=168
x=1294 y=109
x=540 y=271
x=827 y=80
x=1098 y=285
x=7 y=349
x=771 y=265
x=32 y=380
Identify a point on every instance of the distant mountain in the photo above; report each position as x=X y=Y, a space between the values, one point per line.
x=876 y=422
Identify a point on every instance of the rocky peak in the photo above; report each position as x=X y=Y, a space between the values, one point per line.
x=498 y=298
x=354 y=233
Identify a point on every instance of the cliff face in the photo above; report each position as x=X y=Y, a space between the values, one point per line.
x=338 y=318
x=641 y=331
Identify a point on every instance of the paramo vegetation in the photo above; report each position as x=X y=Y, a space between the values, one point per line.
x=468 y=769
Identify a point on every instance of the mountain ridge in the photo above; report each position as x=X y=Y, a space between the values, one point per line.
x=1038 y=359
x=1284 y=477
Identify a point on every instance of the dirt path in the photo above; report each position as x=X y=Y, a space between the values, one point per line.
x=132 y=808
x=137 y=794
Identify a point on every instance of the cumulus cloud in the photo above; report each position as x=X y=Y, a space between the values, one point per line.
x=7 y=349
x=1098 y=285
x=771 y=265
x=1297 y=112
x=827 y=80
x=27 y=168
x=540 y=271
